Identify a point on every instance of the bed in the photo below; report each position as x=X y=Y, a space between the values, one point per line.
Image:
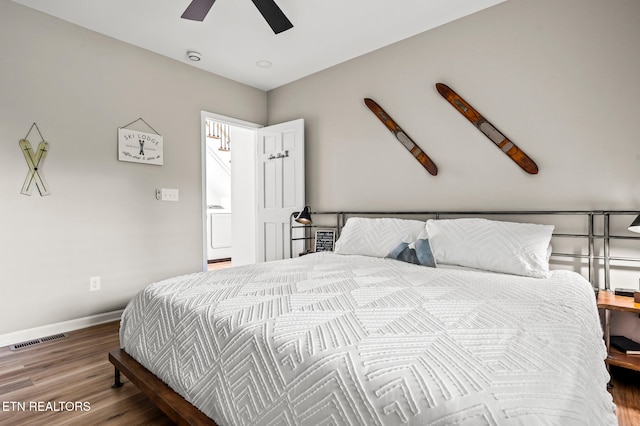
x=367 y=336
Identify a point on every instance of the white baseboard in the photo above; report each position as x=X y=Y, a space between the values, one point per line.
x=59 y=327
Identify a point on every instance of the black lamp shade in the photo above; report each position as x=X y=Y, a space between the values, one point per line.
x=635 y=225
x=304 y=217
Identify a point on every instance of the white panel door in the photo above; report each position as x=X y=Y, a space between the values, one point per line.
x=280 y=186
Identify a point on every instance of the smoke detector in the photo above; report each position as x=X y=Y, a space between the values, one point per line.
x=194 y=56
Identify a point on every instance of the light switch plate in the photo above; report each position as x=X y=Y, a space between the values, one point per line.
x=167 y=194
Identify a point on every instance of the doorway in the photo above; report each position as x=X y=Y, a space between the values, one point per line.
x=228 y=190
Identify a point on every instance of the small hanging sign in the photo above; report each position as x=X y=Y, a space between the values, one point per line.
x=140 y=147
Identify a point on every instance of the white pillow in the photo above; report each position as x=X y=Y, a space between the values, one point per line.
x=508 y=247
x=376 y=237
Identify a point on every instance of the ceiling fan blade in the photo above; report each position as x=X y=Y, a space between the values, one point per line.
x=273 y=15
x=198 y=10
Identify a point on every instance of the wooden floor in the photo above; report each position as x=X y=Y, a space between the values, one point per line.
x=73 y=369
x=76 y=370
x=626 y=395
x=218 y=265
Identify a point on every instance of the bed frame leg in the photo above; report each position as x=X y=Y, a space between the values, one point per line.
x=116 y=378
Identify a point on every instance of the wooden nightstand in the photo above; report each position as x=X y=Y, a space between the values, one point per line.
x=608 y=301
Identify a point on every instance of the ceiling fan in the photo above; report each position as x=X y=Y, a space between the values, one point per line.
x=198 y=9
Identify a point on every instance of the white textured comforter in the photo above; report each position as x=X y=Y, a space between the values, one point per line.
x=330 y=339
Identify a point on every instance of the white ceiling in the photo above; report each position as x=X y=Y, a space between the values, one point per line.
x=234 y=36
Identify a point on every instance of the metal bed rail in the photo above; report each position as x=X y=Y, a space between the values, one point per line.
x=591 y=236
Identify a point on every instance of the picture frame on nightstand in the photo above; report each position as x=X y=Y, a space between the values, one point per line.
x=325 y=240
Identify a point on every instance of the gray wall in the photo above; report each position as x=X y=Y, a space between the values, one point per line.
x=560 y=78
x=101 y=217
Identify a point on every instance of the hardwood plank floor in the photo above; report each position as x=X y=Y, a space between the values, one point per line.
x=626 y=395
x=218 y=265
x=76 y=370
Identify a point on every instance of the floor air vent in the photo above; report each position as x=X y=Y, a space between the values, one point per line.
x=34 y=342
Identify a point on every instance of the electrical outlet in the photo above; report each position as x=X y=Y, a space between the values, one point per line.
x=94 y=283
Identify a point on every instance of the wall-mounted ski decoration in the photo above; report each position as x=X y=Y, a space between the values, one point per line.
x=488 y=129
x=34 y=161
x=413 y=148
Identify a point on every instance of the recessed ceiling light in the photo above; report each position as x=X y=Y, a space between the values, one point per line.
x=194 y=56
x=263 y=63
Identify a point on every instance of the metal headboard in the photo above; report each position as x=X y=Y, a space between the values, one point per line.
x=598 y=231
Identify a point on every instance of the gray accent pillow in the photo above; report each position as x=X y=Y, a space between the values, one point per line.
x=418 y=252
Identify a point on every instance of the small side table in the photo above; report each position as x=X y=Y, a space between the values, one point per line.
x=608 y=301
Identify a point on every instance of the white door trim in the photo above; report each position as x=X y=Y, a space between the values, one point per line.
x=203 y=169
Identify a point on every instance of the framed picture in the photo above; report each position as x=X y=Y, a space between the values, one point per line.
x=325 y=239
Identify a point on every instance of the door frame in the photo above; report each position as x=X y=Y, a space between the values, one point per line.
x=203 y=169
